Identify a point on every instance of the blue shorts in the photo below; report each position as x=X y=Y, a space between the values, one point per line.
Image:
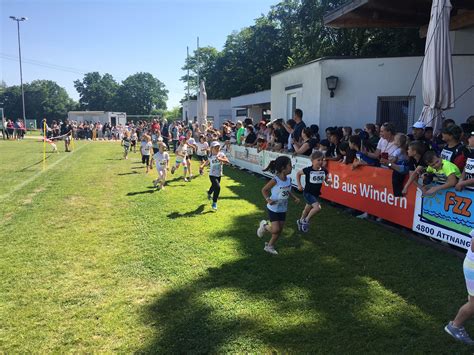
x=310 y=199
x=276 y=216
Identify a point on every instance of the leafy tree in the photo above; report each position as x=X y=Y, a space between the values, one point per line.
x=43 y=99
x=96 y=92
x=140 y=93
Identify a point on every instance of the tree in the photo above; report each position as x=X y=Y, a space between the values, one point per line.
x=96 y=92
x=140 y=93
x=43 y=99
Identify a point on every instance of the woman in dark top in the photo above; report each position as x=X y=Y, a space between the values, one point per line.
x=309 y=143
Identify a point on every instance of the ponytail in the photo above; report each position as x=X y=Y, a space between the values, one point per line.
x=277 y=165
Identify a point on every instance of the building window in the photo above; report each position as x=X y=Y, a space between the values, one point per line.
x=398 y=110
x=291 y=105
x=241 y=112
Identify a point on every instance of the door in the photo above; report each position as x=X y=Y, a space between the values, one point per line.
x=291 y=105
x=113 y=121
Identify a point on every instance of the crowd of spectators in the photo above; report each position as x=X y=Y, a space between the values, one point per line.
x=14 y=129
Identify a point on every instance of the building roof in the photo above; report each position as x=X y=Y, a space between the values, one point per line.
x=399 y=13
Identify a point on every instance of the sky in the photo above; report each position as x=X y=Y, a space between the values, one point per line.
x=64 y=39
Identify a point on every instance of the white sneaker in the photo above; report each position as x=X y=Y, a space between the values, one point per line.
x=270 y=249
x=261 y=228
x=363 y=215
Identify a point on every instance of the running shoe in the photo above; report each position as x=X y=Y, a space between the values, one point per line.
x=191 y=176
x=155 y=183
x=261 y=228
x=173 y=169
x=299 y=224
x=459 y=334
x=270 y=249
x=305 y=227
x=201 y=172
x=186 y=180
x=214 y=206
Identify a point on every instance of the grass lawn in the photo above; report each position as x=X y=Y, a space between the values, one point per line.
x=93 y=259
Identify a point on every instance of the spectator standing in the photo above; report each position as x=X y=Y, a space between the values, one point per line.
x=298 y=128
x=308 y=143
x=240 y=132
x=467 y=177
x=454 y=151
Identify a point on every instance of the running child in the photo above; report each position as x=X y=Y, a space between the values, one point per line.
x=202 y=150
x=145 y=150
x=181 y=151
x=216 y=161
x=133 y=141
x=191 y=142
x=315 y=176
x=276 y=192
x=126 y=144
x=162 y=159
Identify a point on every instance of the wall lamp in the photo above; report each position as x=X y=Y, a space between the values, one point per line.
x=331 y=81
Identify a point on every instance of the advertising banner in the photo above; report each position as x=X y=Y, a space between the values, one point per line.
x=446 y=216
x=369 y=190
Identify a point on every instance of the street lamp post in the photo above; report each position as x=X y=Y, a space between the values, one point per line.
x=18 y=20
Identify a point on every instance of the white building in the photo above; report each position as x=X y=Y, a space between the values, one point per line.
x=256 y=105
x=114 y=118
x=368 y=90
x=218 y=111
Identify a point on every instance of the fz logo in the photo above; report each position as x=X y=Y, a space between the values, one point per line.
x=460 y=204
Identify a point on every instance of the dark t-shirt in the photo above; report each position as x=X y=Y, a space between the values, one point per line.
x=469 y=168
x=281 y=136
x=297 y=131
x=66 y=129
x=251 y=138
x=314 y=180
x=456 y=155
x=311 y=144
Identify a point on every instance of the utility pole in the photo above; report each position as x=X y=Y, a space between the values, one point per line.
x=18 y=20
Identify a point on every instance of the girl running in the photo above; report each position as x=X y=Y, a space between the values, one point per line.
x=216 y=162
x=126 y=144
x=315 y=176
x=162 y=159
x=133 y=140
x=181 y=152
x=191 y=142
x=145 y=150
x=276 y=192
x=202 y=152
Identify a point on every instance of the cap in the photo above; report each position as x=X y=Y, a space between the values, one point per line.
x=419 y=124
x=239 y=122
x=471 y=134
x=182 y=138
x=215 y=144
x=262 y=123
x=160 y=139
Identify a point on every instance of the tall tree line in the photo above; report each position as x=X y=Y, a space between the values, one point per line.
x=291 y=33
x=138 y=94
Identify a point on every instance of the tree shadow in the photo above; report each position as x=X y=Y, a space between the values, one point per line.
x=114 y=159
x=345 y=291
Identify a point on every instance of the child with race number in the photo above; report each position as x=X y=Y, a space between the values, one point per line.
x=191 y=142
x=467 y=177
x=181 y=151
x=455 y=328
x=202 y=150
x=126 y=144
x=216 y=161
x=276 y=192
x=145 y=150
x=162 y=159
x=315 y=176
x=133 y=141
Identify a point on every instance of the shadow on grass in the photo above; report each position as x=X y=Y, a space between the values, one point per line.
x=196 y=212
x=150 y=191
x=347 y=286
x=130 y=173
x=34 y=164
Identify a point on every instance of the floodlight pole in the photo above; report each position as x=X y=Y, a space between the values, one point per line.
x=18 y=20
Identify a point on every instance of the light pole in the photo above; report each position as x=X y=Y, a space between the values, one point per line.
x=18 y=20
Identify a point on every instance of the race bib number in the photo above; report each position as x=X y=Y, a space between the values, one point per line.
x=446 y=154
x=317 y=177
x=469 y=168
x=284 y=193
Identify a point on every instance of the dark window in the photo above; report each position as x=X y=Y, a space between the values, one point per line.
x=397 y=110
x=241 y=112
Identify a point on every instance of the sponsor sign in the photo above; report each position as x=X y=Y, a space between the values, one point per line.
x=446 y=216
x=369 y=190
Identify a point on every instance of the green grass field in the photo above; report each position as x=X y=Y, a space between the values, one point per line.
x=93 y=259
